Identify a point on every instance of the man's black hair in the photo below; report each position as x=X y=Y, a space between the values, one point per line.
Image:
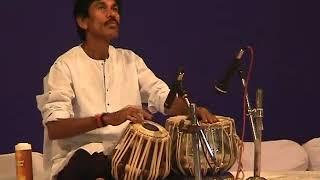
x=81 y=9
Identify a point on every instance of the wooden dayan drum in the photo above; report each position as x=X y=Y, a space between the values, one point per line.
x=143 y=152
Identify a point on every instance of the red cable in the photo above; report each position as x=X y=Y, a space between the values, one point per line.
x=245 y=91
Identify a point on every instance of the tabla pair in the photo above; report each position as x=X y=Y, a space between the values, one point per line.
x=149 y=151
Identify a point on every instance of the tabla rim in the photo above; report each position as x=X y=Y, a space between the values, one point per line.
x=223 y=120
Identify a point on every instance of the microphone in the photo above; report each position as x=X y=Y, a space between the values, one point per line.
x=175 y=89
x=222 y=86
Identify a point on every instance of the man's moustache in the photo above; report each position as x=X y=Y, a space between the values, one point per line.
x=112 y=21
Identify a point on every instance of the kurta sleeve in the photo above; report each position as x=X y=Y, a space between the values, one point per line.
x=152 y=89
x=56 y=101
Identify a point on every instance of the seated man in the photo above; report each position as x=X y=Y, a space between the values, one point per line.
x=92 y=92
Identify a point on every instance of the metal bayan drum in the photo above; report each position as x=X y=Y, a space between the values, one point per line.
x=221 y=136
x=142 y=153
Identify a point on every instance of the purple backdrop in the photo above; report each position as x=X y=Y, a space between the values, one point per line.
x=202 y=36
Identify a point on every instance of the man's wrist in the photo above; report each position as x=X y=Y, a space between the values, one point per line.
x=101 y=120
x=105 y=119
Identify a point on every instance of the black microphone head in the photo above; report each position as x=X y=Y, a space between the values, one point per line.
x=180 y=69
x=221 y=88
x=176 y=88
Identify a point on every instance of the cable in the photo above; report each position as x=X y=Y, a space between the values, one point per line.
x=244 y=112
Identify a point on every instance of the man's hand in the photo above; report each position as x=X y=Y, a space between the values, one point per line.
x=132 y=113
x=205 y=116
x=179 y=107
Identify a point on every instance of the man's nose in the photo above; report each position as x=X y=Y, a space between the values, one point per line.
x=111 y=13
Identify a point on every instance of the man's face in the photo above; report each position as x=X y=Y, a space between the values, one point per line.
x=104 y=20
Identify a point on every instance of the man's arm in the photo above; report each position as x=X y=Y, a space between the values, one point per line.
x=64 y=128
x=69 y=127
x=156 y=91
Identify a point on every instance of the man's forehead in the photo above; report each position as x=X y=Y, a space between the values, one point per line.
x=105 y=1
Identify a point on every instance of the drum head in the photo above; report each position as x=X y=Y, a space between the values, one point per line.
x=150 y=129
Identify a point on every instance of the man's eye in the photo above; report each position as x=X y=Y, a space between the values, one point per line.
x=115 y=9
x=101 y=7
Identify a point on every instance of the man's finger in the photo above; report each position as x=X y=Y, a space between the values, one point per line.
x=208 y=116
x=131 y=118
x=203 y=117
x=140 y=115
x=146 y=114
x=134 y=119
x=213 y=118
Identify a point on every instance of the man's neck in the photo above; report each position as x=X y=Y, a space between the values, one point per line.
x=97 y=50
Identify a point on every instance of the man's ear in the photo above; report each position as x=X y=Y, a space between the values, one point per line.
x=82 y=22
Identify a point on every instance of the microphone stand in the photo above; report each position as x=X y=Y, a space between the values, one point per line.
x=195 y=143
x=257 y=128
x=257 y=144
x=198 y=136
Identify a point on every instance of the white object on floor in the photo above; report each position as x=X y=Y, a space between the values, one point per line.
x=312 y=147
x=278 y=155
x=285 y=175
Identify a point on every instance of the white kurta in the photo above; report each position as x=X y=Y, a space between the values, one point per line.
x=78 y=86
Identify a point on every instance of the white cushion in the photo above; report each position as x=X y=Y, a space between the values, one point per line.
x=279 y=155
x=8 y=165
x=312 y=147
